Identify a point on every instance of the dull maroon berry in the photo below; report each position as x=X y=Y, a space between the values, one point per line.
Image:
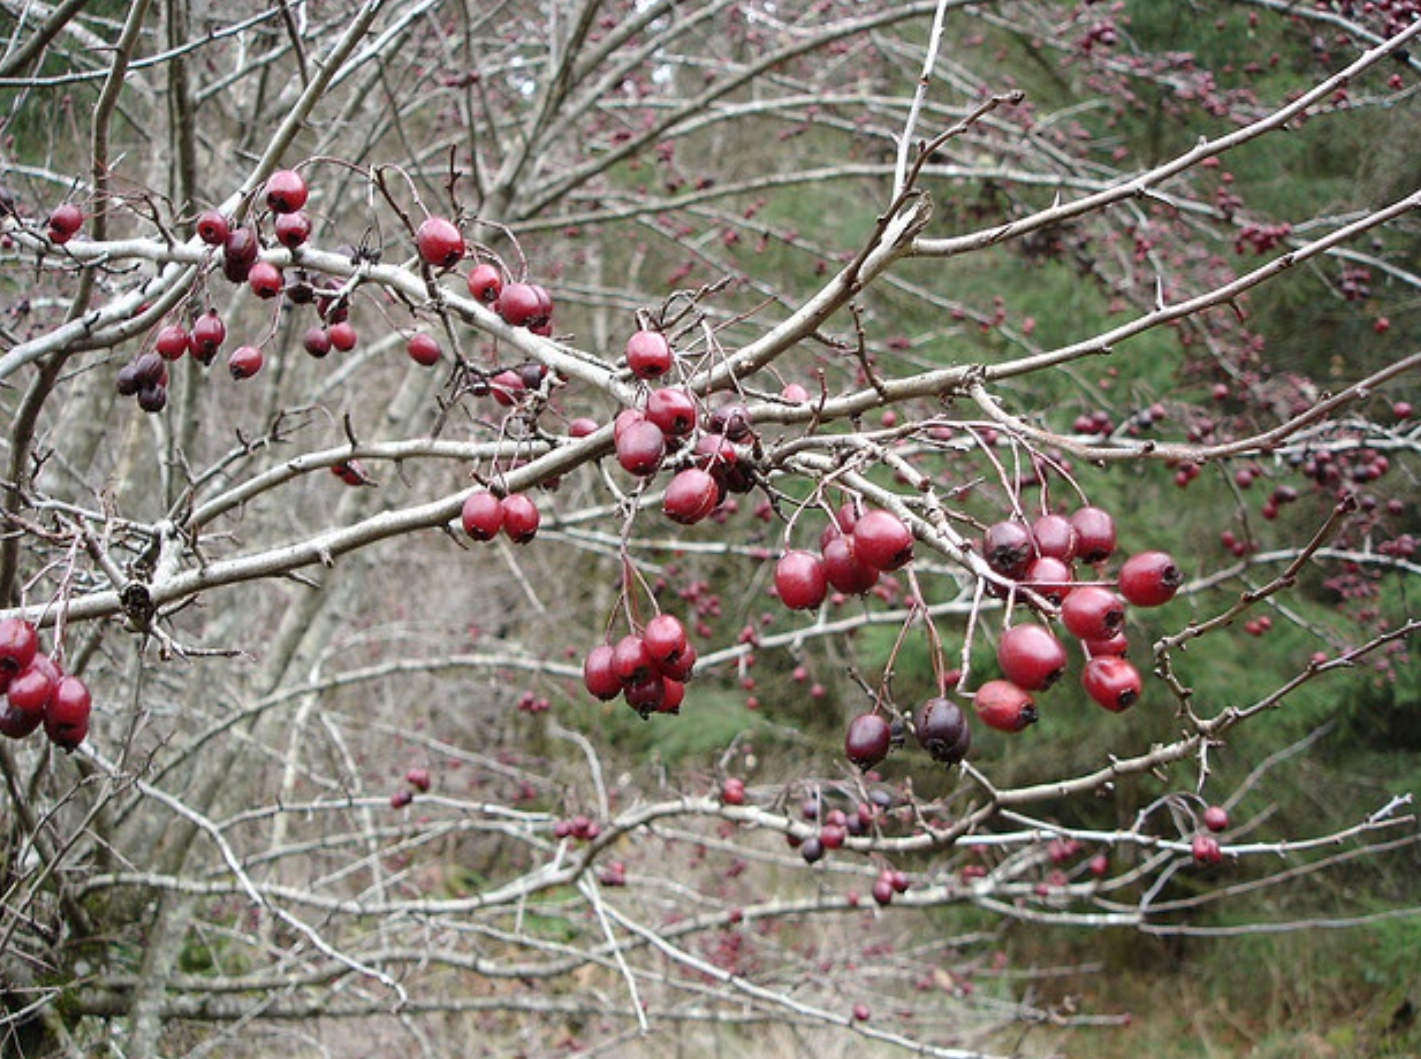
x=482 y=515
x=598 y=676
x=1004 y=706
x=19 y=643
x=845 y=570
x=518 y=304
x=342 y=336
x=292 y=229
x=1055 y=537
x=1150 y=579
x=1031 y=657
x=941 y=728
x=691 y=496
x=153 y=398
x=66 y=716
x=800 y=581
x=648 y=354
x=285 y=191
x=868 y=740
x=440 y=243
x=485 y=284
x=882 y=540
x=244 y=362
x=1111 y=682
x=213 y=228
x=1216 y=818
x=640 y=448
x=1091 y=612
x=422 y=349
x=206 y=337
x=172 y=342
x=1008 y=548
x=64 y=222
x=520 y=518
x=18 y=724
x=316 y=341
x=264 y=279
x=1095 y=534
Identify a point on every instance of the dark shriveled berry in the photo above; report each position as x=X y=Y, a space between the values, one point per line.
x=941 y=728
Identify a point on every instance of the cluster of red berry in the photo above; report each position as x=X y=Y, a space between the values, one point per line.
x=416 y=782
x=37 y=691
x=648 y=668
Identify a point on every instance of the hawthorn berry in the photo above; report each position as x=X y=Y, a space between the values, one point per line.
x=264 y=279
x=845 y=570
x=285 y=191
x=482 y=515
x=640 y=447
x=212 y=227
x=31 y=688
x=1004 y=706
x=732 y=790
x=1092 y=612
x=342 y=336
x=882 y=540
x=1205 y=850
x=665 y=639
x=673 y=410
x=1112 y=682
x=1055 y=537
x=800 y=581
x=691 y=495
x=1050 y=577
x=423 y=349
x=172 y=342
x=64 y=222
x=648 y=354
x=439 y=242
x=518 y=304
x=1216 y=818
x=520 y=518
x=868 y=740
x=244 y=362
x=1095 y=534
x=1150 y=579
x=19 y=643
x=632 y=661
x=292 y=229
x=582 y=426
x=485 y=284
x=418 y=779
x=506 y=387
x=66 y=716
x=1008 y=548
x=17 y=724
x=598 y=676
x=316 y=341
x=206 y=337
x=941 y=728
x=1031 y=657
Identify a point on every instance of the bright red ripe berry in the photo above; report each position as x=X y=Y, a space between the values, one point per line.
x=1008 y=549
x=293 y=229
x=1112 y=682
x=32 y=687
x=264 y=279
x=845 y=570
x=19 y=643
x=1205 y=850
x=1091 y=612
x=882 y=541
x=1004 y=706
x=172 y=342
x=640 y=448
x=648 y=354
x=440 y=243
x=800 y=581
x=1030 y=657
x=1150 y=579
x=482 y=515
x=285 y=191
x=485 y=284
x=1216 y=818
x=690 y=497
x=673 y=693
x=64 y=222
x=868 y=740
x=520 y=518
x=422 y=349
x=518 y=304
x=316 y=341
x=671 y=409
x=1052 y=578
x=598 y=676
x=207 y=335
x=941 y=728
x=244 y=362
x=632 y=661
x=212 y=228
x=342 y=336
x=1095 y=534
x=1055 y=537
x=66 y=717
x=665 y=639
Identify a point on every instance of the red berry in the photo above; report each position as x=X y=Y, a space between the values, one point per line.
x=482 y=515
x=1095 y=534
x=401 y=798
x=1052 y=578
x=941 y=727
x=440 y=243
x=31 y=688
x=520 y=518
x=507 y=385
x=207 y=335
x=172 y=342
x=1216 y=818
x=285 y=191
x=640 y=448
x=342 y=336
x=672 y=410
x=598 y=676
x=632 y=661
x=665 y=639
x=648 y=354
x=485 y=284
x=1150 y=579
x=1008 y=549
x=582 y=427
x=673 y=693
x=66 y=717
x=293 y=229
x=732 y=791
x=518 y=304
x=316 y=341
x=800 y=581
x=1117 y=645
x=1205 y=850
x=1112 y=682
x=1091 y=612
x=862 y=1013
x=1030 y=657
x=418 y=778
x=1003 y=705
x=422 y=349
x=1055 y=537
x=64 y=222
x=882 y=541
x=241 y=247
x=883 y=891
x=244 y=362
x=264 y=278
x=212 y=228
x=868 y=740
x=845 y=570
x=691 y=496
x=17 y=724
x=19 y=643
x=681 y=667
